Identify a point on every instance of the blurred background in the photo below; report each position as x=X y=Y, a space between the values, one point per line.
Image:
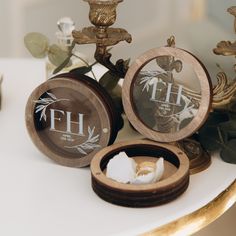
x=198 y=26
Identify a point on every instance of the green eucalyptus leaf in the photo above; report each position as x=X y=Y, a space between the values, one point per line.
x=228 y=153
x=210 y=135
x=57 y=56
x=209 y=139
x=37 y=44
x=127 y=62
x=120 y=123
x=232 y=111
x=116 y=94
x=117 y=91
x=118 y=103
x=63 y=65
x=119 y=108
x=109 y=80
x=228 y=130
x=232 y=116
x=71 y=48
x=215 y=118
x=81 y=70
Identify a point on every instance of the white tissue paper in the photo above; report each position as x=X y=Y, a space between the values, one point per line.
x=122 y=169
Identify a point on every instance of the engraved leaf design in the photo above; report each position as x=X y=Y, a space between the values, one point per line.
x=188 y=112
x=43 y=104
x=89 y=144
x=147 y=78
x=52 y=95
x=81 y=151
x=43 y=115
x=39 y=108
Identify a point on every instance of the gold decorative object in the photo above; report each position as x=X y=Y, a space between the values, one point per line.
x=224 y=92
x=190 y=224
x=232 y=11
x=102 y=15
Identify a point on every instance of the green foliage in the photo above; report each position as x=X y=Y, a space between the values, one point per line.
x=39 y=47
x=228 y=154
x=219 y=133
x=57 y=56
x=116 y=97
x=81 y=70
x=109 y=80
x=37 y=44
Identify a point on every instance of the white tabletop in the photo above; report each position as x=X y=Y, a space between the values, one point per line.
x=39 y=197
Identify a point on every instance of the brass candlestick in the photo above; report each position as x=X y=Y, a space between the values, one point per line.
x=102 y=15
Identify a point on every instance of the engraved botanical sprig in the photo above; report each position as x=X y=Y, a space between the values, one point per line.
x=89 y=144
x=43 y=104
x=148 y=77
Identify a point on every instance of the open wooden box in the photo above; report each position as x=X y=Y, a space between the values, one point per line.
x=173 y=183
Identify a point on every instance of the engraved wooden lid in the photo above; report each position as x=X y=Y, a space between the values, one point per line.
x=70 y=120
x=167 y=94
x=173 y=183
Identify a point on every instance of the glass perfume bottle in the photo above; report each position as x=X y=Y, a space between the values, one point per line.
x=64 y=40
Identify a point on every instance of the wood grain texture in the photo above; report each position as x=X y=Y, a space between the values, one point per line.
x=205 y=102
x=99 y=113
x=140 y=195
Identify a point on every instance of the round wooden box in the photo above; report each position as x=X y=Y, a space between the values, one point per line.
x=167 y=94
x=173 y=183
x=70 y=118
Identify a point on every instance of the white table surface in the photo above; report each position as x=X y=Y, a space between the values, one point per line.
x=41 y=198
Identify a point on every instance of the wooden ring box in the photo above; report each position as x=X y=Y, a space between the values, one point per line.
x=142 y=103
x=71 y=117
x=173 y=183
x=132 y=81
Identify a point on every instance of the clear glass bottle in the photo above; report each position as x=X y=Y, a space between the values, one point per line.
x=64 y=40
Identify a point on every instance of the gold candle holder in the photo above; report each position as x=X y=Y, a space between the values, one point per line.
x=102 y=15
